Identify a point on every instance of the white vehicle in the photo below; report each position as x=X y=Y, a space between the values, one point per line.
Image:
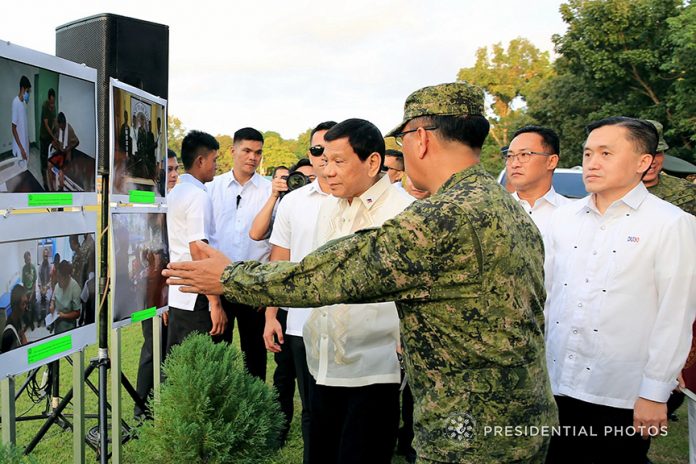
x=566 y=181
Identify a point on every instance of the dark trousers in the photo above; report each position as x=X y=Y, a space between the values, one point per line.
x=354 y=425
x=405 y=435
x=43 y=156
x=251 y=323
x=291 y=365
x=305 y=385
x=182 y=323
x=284 y=379
x=578 y=445
x=146 y=379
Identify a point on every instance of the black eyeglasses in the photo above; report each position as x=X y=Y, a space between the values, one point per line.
x=398 y=137
x=387 y=169
x=316 y=150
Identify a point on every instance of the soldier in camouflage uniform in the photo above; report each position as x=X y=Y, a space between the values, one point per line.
x=672 y=189
x=465 y=270
x=680 y=193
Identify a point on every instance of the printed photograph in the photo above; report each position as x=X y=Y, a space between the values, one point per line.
x=47 y=130
x=140 y=144
x=140 y=253
x=47 y=287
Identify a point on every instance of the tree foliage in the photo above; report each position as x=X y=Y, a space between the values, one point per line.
x=508 y=75
x=175 y=134
x=620 y=57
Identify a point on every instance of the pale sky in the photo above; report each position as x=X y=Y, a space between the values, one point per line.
x=288 y=65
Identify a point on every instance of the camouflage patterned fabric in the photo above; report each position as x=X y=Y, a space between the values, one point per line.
x=454 y=99
x=679 y=192
x=661 y=144
x=465 y=269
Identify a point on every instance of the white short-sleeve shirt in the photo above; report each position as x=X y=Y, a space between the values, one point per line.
x=189 y=218
x=19 y=119
x=294 y=228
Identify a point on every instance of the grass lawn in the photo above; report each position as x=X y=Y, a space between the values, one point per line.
x=56 y=447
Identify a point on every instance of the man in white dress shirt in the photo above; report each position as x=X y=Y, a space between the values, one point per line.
x=620 y=280
x=291 y=240
x=190 y=218
x=238 y=196
x=351 y=349
x=530 y=161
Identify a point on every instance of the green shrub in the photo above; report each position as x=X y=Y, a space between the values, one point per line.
x=210 y=411
x=10 y=454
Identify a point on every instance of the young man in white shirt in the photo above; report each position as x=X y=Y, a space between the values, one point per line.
x=20 y=129
x=620 y=279
x=291 y=240
x=190 y=218
x=530 y=161
x=237 y=197
x=351 y=349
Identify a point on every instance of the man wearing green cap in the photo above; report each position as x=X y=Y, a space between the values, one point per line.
x=465 y=270
x=674 y=190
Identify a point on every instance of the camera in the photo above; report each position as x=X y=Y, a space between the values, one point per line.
x=295 y=180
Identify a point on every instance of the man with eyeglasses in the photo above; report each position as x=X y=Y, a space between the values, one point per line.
x=394 y=165
x=466 y=273
x=291 y=240
x=530 y=161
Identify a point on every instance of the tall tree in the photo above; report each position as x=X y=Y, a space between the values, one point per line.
x=175 y=133
x=225 y=162
x=619 y=57
x=508 y=76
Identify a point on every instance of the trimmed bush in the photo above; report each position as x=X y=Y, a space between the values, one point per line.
x=210 y=411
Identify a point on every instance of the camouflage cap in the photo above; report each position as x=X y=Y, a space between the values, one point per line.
x=661 y=144
x=452 y=99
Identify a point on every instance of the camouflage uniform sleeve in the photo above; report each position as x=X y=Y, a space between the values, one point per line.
x=383 y=264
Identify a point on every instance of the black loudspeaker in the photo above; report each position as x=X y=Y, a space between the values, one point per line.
x=133 y=51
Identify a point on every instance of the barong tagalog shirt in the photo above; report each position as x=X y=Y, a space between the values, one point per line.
x=621 y=299
x=355 y=345
x=466 y=272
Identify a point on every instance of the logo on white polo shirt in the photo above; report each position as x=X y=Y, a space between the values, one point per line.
x=633 y=239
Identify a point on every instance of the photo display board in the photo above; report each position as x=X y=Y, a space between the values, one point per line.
x=140 y=251
x=138 y=145
x=47 y=288
x=48 y=133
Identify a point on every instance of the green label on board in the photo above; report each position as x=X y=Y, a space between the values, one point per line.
x=140 y=196
x=144 y=314
x=50 y=199
x=48 y=349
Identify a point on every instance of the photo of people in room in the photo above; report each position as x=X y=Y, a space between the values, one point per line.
x=141 y=252
x=47 y=287
x=47 y=130
x=140 y=144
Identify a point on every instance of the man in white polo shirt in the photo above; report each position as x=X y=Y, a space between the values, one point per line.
x=620 y=279
x=530 y=161
x=291 y=240
x=351 y=349
x=190 y=218
x=238 y=196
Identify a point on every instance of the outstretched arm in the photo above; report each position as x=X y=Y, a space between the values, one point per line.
x=394 y=262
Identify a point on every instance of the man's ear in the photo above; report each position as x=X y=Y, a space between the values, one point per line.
x=424 y=140
x=374 y=163
x=644 y=163
x=552 y=162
